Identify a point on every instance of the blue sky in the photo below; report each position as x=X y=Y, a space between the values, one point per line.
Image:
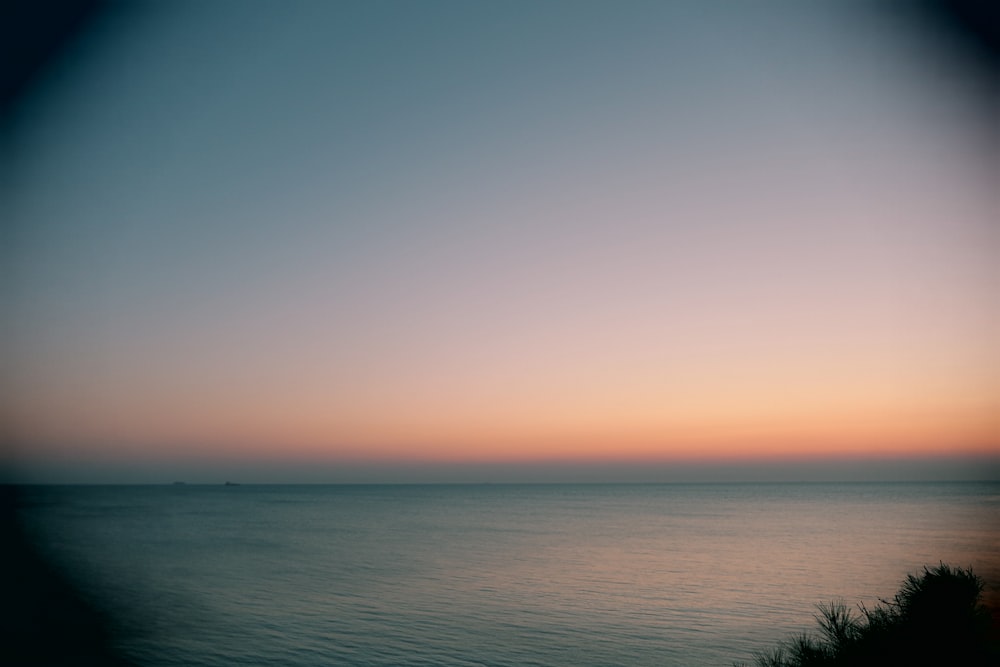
x=476 y=231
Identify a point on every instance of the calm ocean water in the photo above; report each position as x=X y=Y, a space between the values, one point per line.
x=559 y=575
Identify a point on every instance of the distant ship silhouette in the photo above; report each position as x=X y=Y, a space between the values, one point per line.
x=228 y=483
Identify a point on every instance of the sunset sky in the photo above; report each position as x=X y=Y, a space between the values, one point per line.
x=489 y=233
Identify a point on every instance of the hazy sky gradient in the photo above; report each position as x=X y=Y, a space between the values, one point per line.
x=468 y=233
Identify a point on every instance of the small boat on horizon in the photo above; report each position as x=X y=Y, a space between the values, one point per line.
x=228 y=483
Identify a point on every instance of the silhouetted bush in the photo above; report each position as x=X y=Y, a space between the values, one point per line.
x=936 y=618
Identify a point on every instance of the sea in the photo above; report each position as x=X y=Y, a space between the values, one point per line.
x=494 y=574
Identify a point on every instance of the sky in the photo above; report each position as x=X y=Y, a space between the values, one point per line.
x=492 y=241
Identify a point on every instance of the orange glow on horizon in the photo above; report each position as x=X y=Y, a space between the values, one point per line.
x=708 y=411
x=630 y=432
